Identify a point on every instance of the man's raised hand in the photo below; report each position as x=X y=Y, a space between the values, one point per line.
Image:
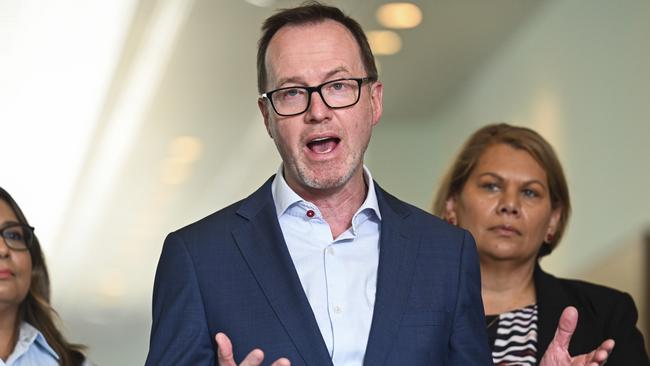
x=225 y=355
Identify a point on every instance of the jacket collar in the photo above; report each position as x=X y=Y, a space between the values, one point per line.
x=553 y=295
x=551 y=301
x=284 y=197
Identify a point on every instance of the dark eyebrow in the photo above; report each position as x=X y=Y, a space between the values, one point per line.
x=500 y=179
x=8 y=223
x=300 y=81
x=493 y=175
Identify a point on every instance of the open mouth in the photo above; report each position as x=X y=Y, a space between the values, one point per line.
x=323 y=145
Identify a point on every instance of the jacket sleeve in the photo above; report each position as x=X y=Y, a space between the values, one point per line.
x=179 y=333
x=469 y=342
x=629 y=348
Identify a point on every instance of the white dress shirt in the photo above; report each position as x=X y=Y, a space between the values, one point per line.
x=338 y=275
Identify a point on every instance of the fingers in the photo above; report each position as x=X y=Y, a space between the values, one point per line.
x=601 y=353
x=224 y=350
x=281 y=362
x=225 y=355
x=607 y=345
x=254 y=358
x=566 y=326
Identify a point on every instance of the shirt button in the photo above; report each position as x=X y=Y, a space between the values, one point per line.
x=310 y=213
x=330 y=251
x=337 y=310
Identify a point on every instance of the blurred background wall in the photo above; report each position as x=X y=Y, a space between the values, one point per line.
x=121 y=121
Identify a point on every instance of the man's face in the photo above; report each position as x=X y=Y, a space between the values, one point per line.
x=322 y=149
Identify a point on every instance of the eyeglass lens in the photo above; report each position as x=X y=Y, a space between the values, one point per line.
x=336 y=94
x=17 y=236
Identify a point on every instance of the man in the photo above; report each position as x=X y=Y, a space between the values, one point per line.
x=319 y=266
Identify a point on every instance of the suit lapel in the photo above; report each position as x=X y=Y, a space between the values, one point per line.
x=396 y=264
x=262 y=244
x=551 y=301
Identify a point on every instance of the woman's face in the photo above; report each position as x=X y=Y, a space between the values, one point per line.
x=15 y=266
x=506 y=205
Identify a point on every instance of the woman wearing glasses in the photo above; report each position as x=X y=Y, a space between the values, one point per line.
x=507 y=187
x=28 y=334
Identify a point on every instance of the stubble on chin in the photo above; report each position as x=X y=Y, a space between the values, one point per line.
x=327 y=175
x=314 y=180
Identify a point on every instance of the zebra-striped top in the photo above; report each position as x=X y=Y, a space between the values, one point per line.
x=513 y=336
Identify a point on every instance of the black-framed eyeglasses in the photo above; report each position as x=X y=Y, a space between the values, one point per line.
x=295 y=100
x=18 y=236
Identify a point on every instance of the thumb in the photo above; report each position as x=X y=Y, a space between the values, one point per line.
x=566 y=326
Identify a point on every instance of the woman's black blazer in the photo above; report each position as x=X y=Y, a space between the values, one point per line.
x=603 y=313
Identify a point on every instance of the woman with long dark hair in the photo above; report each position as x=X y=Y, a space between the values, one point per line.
x=28 y=331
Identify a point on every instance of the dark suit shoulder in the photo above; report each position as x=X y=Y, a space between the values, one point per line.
x=223 y=221
x=594 y=297
x=213 y=224
x=432 y=230
x=608 y=306
x=422 y=219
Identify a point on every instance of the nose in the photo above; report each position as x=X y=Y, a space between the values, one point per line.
x=4 y=248
x=509 y=203
x=317 y=111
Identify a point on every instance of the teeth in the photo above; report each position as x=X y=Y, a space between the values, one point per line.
x=320 y=139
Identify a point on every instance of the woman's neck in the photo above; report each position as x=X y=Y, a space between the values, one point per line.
x=506 y=286
x=8 y=331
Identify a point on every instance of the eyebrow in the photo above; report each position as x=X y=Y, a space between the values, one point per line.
x=300 y=80
x=500 y=179
x=7 y=223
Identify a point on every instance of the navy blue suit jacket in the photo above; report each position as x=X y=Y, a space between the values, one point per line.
x=231 y=272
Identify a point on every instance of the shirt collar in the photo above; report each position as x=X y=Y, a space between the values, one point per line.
x=28 y=336
x=284 y=197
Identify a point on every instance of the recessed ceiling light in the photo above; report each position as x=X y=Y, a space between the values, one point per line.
x=384 y=42
x=399 y=15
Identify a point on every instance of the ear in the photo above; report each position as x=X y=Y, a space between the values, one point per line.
x=261 y=104
x=553 y=223
x=450 y=211
x=377 y=101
